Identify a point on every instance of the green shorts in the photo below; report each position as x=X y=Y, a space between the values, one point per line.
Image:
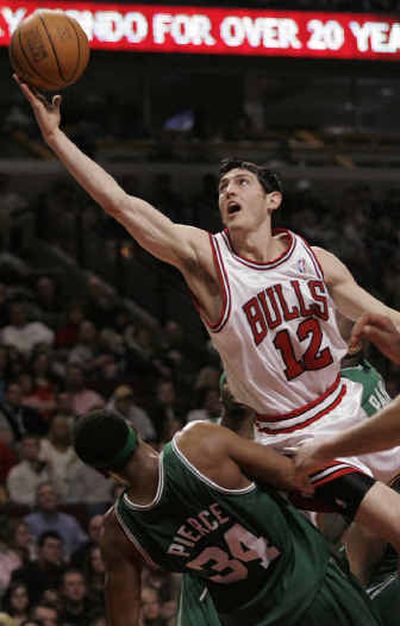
x=341 y=601
x=386 y=600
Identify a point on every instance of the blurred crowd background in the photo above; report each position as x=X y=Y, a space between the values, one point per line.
x=88 y=319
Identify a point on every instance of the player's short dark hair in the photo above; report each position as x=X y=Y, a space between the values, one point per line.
x=100 y=437
x=269 y=180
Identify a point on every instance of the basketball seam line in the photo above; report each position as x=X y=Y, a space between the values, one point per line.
x=13 y=56
x=73 y=76
x=54 y=50
x=32 y=67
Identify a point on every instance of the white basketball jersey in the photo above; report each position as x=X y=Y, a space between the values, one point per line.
x=277 y=334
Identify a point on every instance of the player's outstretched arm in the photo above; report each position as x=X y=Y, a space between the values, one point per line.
x=123 y=575
x=174 y=243
x=380 y=432
x=351 y=299
x=379 y=330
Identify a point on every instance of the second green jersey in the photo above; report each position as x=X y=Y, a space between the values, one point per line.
x=374 y=394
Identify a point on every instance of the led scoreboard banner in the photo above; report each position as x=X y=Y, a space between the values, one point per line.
x=203 y=30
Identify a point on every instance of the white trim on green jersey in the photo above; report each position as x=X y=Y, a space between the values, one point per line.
x=146 y=507
x=205 y=479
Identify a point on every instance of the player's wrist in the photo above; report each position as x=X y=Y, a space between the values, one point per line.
x=52 y=136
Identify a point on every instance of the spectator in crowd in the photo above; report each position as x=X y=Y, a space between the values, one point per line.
x=44 y=572
x=51 y=596
x=25 y=477
x=123 y=403
x=166 y=412
x=49 y=300
x=16 y=602
x=94 y=571
x=17 y=418
x=44 y=384
x=24 y=335
x=56 y=450
x=67 y=334
x=100 y=305
x=91 y=488
x=83 y=399
x=5 y=373
x=22 y=541
x=7 y=455
x=64 y=403
x=75 y=606
x=209 y=406
x=46 y=615
x=95 y=528
x=10 y=560
x=48 y=517
x=86 y=352
x=151 y=608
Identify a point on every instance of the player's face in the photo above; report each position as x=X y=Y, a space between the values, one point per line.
x=243 y=201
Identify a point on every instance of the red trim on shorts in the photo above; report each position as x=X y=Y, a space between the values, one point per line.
x=310 y=420
x=335 y=475
x=304 y=408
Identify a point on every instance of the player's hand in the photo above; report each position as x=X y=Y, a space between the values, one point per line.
x=47 y=113
x=310 y=457
x=379 y=330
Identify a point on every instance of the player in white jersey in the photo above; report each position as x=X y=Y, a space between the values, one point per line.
x=307 y=346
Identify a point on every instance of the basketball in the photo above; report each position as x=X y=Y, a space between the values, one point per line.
x=49 y=50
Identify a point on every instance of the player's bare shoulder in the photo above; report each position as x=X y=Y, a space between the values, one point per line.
x=202 y=438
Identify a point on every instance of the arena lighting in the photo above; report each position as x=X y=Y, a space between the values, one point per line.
x=203 y=30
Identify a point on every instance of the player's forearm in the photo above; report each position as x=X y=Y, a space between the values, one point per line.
x=93 y=178
x=377 y=433
x=269 y=466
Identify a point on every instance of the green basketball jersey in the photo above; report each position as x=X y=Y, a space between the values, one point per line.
x=374 y=396
x=262 y=561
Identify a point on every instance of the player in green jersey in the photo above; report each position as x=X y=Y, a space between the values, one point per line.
x=194 y=509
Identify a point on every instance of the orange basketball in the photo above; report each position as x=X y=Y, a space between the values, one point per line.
x=49 y=50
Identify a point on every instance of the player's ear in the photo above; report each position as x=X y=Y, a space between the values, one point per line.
x=274 y=200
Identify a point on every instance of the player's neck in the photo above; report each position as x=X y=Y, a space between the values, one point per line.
x=259 y=246
x=144 y=475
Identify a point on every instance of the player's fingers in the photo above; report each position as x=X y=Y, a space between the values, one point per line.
x=375 y=335
x=357 y=332
x=24 y=88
